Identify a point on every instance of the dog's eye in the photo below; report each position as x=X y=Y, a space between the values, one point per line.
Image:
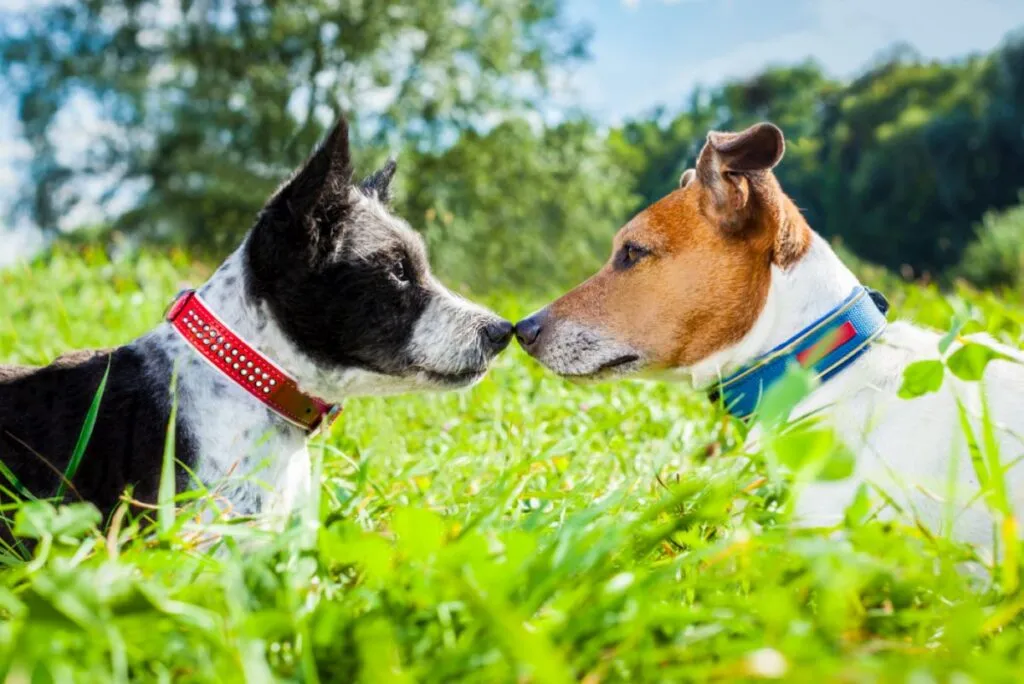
x=629 y=254
x=400 y=270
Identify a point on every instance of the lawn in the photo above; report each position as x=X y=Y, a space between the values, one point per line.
x=526 y=530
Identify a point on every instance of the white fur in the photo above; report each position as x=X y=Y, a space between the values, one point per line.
x=914 y=450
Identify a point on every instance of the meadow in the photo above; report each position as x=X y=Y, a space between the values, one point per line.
x=526 y=530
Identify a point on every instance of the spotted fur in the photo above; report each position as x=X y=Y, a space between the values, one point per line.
x=328 y=284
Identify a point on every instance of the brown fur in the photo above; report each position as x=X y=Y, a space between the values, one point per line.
x=711 y=246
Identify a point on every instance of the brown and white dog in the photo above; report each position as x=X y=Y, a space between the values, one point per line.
x=725 y=271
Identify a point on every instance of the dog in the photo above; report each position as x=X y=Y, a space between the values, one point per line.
x=329 y=296
x=722 y=284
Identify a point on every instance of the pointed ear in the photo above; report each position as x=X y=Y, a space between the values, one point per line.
x=731 y=163
x=378 y=184
x=326 y=174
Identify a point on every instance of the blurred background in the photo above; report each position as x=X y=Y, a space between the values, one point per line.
x=526 y=131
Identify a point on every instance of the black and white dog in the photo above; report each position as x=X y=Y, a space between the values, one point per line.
x=329 y=292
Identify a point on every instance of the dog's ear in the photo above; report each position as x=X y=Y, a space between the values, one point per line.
x=321 y=184
x=378 y=184
x=731 y=163
x=687 y=177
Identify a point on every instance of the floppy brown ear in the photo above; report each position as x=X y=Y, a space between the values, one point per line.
x=731 y=163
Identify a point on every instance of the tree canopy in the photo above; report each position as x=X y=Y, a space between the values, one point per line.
x=208 y=104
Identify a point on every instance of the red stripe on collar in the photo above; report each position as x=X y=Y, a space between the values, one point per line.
x=248 y=368
x=829 y=344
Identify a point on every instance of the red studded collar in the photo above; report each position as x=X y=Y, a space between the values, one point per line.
x=245 y=366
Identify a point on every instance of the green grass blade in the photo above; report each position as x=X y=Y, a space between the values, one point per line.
x=85 y=434
x=973 y=448
x=165 y=495
x=15 y=482
x=997 y=475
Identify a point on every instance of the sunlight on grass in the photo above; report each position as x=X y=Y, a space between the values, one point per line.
x=526 y=530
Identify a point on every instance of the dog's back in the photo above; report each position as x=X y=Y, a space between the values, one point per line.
x=43 y=410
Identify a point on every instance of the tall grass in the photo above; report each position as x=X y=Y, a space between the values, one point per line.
x=527 y=530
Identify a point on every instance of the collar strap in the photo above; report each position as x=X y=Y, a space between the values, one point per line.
x=825 y=347
x=248 y=368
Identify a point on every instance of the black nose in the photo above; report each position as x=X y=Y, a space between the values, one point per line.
x=498 y=334
x=529 y=329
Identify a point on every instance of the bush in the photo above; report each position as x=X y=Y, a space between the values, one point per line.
x=996 y=257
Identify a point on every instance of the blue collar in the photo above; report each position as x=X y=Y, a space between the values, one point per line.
x=825 y=347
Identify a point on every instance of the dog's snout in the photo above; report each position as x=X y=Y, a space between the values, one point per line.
x=497 y=334
x=529 y=329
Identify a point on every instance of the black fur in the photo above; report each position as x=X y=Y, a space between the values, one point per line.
x=300 y=261
x=378 y=184
x=42 y=412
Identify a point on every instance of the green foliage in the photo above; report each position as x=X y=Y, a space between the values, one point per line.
x=996 y=257
x=922 y=377
x=209 y=110
x=898 y=164
x=206 y=108
x=518 y=208
x=529 y=529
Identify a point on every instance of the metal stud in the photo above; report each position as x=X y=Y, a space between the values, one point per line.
x=234 y=352
x=228 y=346
x=273 y=382
x=220 y=353
x=235 y=366
x=259 y=383
x=266 y=390
x=206 y=328
x=249 y=365
x=265 y=376
x=242 y=357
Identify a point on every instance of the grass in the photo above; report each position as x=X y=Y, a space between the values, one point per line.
x=527 y=530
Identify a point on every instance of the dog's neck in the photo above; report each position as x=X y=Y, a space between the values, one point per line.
x=797 y=297
x=239 y=442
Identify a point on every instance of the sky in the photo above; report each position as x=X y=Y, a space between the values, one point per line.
x=651 y=52
x=646 y=53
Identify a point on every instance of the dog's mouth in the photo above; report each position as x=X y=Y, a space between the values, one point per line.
x=457 y=379
x=619 y=361
x=619 y=366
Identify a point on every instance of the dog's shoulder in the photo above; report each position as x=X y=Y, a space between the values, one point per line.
x=72 y=359
x=43 y=410
x=10 y=373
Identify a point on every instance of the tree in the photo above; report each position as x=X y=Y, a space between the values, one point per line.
x=519 y=208
x=207 y=103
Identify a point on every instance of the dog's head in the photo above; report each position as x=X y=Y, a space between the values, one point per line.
x=349 y=286
x=688 y=276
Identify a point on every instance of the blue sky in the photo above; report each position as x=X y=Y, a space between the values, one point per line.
x=654 y=52
x=650 y=52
